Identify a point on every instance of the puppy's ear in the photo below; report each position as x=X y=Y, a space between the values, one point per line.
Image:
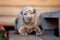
x=34 y=10
x=21 y=13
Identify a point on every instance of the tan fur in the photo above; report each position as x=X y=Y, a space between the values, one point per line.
x=26 y=30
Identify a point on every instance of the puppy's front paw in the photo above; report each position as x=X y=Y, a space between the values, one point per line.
x=39 y=33
x=24 y=34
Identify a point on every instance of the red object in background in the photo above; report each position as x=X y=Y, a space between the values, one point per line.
x=5 y=34
x=4 y=31
x=2 y=27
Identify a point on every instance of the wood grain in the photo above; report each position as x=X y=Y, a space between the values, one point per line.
x=7 y=20
x=29 y=3
x=14 y=11
x=8 y=14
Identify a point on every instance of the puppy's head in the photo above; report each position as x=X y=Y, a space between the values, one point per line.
x=28 y=14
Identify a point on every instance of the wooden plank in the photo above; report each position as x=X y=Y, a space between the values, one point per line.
x=29 y=2
x=14 y=11
x=7 y=20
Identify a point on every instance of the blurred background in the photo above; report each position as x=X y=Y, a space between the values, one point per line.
x=9 y=9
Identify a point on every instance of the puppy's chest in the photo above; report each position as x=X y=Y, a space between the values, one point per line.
x=30 y=27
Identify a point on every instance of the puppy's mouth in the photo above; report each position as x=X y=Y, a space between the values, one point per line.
x=29 y=19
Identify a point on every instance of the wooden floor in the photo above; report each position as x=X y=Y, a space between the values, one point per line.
x=46 y=36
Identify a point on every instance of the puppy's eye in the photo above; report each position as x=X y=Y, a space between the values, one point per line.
x=25 y=14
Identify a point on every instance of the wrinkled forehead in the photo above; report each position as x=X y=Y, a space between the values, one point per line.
x=28 y=8
x=28 y=12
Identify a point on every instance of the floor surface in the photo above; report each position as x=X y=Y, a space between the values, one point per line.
x=46 y=36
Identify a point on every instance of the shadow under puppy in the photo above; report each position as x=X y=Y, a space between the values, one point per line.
x=28 y=15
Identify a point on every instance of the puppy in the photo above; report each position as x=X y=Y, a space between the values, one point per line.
x=28 y=15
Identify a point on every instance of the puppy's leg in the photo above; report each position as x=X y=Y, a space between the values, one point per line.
x=24 y=31
x=38 y=31
x=15 y=26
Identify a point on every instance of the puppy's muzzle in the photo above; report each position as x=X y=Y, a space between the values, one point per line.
x=30 y=18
